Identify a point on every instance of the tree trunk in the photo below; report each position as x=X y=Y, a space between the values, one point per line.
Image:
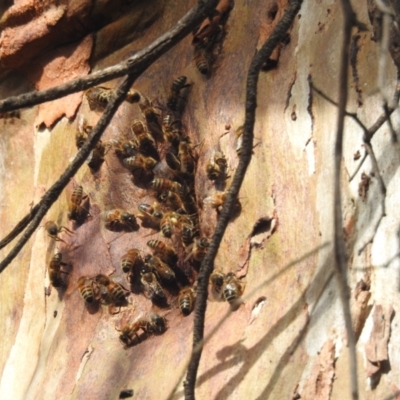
x=288 y=339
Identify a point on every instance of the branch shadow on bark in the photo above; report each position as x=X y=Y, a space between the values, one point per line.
x=296 y=309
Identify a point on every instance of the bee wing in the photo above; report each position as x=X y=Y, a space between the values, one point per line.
x=208 y=200
x=189 y=250
x=212 y=157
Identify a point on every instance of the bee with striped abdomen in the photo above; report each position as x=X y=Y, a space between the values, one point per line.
x=186 y=300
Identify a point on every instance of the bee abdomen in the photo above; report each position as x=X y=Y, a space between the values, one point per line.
x=186 y=305
x=126 y=265
x=230 y=296
x=87 y=295
x=118 y=294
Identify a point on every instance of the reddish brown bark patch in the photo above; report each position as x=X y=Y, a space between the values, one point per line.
x=376 y=349
x=319 y=384
x=64 y=64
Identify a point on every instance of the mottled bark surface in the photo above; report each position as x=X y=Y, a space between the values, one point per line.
x=288 y=339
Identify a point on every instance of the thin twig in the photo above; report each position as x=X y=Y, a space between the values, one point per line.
x=53 y=193
x=140 y=61
x=135 y=65
x=390 y=123
x=382 y=188
x=21 y=225
x=339 y=244
x=383 y=118
x=358 y=166
x=245 y=157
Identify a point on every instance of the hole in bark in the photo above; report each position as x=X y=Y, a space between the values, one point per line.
x=272 y=12
x=259 y=302
x=124 y=394
x=261 y=226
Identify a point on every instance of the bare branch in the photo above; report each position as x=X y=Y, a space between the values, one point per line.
x=135 y=65
x=54 y=192
x=245 y=157
x=339 y=244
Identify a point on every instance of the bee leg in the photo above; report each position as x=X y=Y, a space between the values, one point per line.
x=65 y=229
x=57 y=239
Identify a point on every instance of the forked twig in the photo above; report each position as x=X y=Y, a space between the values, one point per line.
x=245 y=157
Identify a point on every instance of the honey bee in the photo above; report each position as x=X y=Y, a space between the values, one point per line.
x=161 y=269
x=173 y=201
x=216 y=166
x=150 y=216
x=174 y=94
x=190 y=205
x=85 y=286
x=152 y=118
x=119 y=219
x=162 y=250
x=151 y=285
x=188 y=230
x=233 y=290
x=217 y=200
x=130 y=261
x=133 y=96
x=148 y=110
x=186 y=300
x=139 y=163
x=162 y=185
x=82 y=133
x=155 y=324
x=172 y=130
x=98 y=97
x=186 y=157
x=146 y=143
x=112 y=292
x=198 y=249
x=217 y=279
x=74 y=208
x=173 y=162
x=201 y=60
x=169 y=220
x=124 y=147
x=55 y=271
x=53 y=230
x=239 y=140
x=96 y=158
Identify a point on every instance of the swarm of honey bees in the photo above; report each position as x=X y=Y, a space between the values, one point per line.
x=161 y=158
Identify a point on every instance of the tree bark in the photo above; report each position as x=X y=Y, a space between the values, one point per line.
x=288 y=338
